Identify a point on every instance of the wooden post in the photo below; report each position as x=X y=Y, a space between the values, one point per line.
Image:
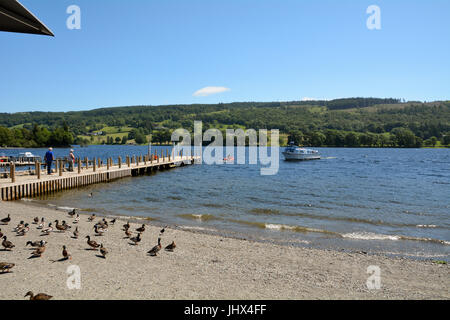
x=94 y=163
x=107 y=164
x=128 y=161
x=12 y=172
x=120 y=162
x=99 y=163
x=38 y=170
x=79 y=166
x=87 y=162
x=60 y=168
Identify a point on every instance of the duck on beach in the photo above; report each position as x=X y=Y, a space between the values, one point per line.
x=41 y=225
x=76 y=233
x=1 y=233
x=127 y=233
x=46 y=231
x=77 y=219
x=94 y=245
x=19 y=226
x=91 y=218
x=126 y=226
x=35 y=244
x=36 y=220
x=65 y=254
x=154 y=251
x=99 y=231
x=171 y=247
x=72 y=213
x=6 y=267
x=38 y=252
x=39 y=296
x=141 y=229
x=24 y=230
x=136 y=239
x=8 y=245
x=6 y=220
x=103 y=251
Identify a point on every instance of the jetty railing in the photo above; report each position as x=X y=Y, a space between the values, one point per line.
x=15 y=184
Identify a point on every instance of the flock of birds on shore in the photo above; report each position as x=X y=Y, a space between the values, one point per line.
x=100 y=228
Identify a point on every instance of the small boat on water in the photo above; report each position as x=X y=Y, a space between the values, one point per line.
x=294 y=152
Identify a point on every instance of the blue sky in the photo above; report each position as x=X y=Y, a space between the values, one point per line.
x=153 y=52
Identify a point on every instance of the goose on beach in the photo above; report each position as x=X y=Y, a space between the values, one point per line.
x=8 y=245
x=39 y=296
x=6 y=267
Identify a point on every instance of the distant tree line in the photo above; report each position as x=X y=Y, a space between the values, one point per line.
x=36 y=137
x=371 y=122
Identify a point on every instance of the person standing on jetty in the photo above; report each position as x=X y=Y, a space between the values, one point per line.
x=49 y=158
x=71 y=160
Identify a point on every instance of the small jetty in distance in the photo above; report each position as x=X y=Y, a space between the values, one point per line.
x=86 y=172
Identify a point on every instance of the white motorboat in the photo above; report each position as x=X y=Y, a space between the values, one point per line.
x=294 y=152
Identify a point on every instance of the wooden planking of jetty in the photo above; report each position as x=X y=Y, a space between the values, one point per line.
x=85 y=172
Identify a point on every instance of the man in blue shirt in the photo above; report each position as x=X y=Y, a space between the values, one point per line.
x=49 y=157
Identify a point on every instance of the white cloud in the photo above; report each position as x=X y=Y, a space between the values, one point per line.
x=207 y=91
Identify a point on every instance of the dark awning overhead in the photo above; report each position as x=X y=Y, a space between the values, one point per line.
x=14 y=17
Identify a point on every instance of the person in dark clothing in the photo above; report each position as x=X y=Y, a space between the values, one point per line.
x=49 y=157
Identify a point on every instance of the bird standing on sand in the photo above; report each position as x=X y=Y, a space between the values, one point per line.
x=38 y=252
x=91 y=218
x=99 y=231
x=6 y=266
x=126 y=226
x=35 y=244
x=103 y=251
x=72 y=213
x=127 y=233
x=41 y=225
x=113 y=221
x=6 y=220
x=39 y=296
x=77 y=219
x=137 y=239
x=92 y=243
x=19 y=227
x=1 y=233
x=141 y=229
x=171 y=246
x=36 y=220
x=8 y=245
x=154 y=251
x=76 y=233
x=66 y=254
x=46 y=231
x=24 y=230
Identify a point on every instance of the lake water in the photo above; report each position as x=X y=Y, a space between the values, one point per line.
x=393 y=201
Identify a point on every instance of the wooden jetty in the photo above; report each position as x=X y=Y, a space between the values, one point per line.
x=85 y=172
